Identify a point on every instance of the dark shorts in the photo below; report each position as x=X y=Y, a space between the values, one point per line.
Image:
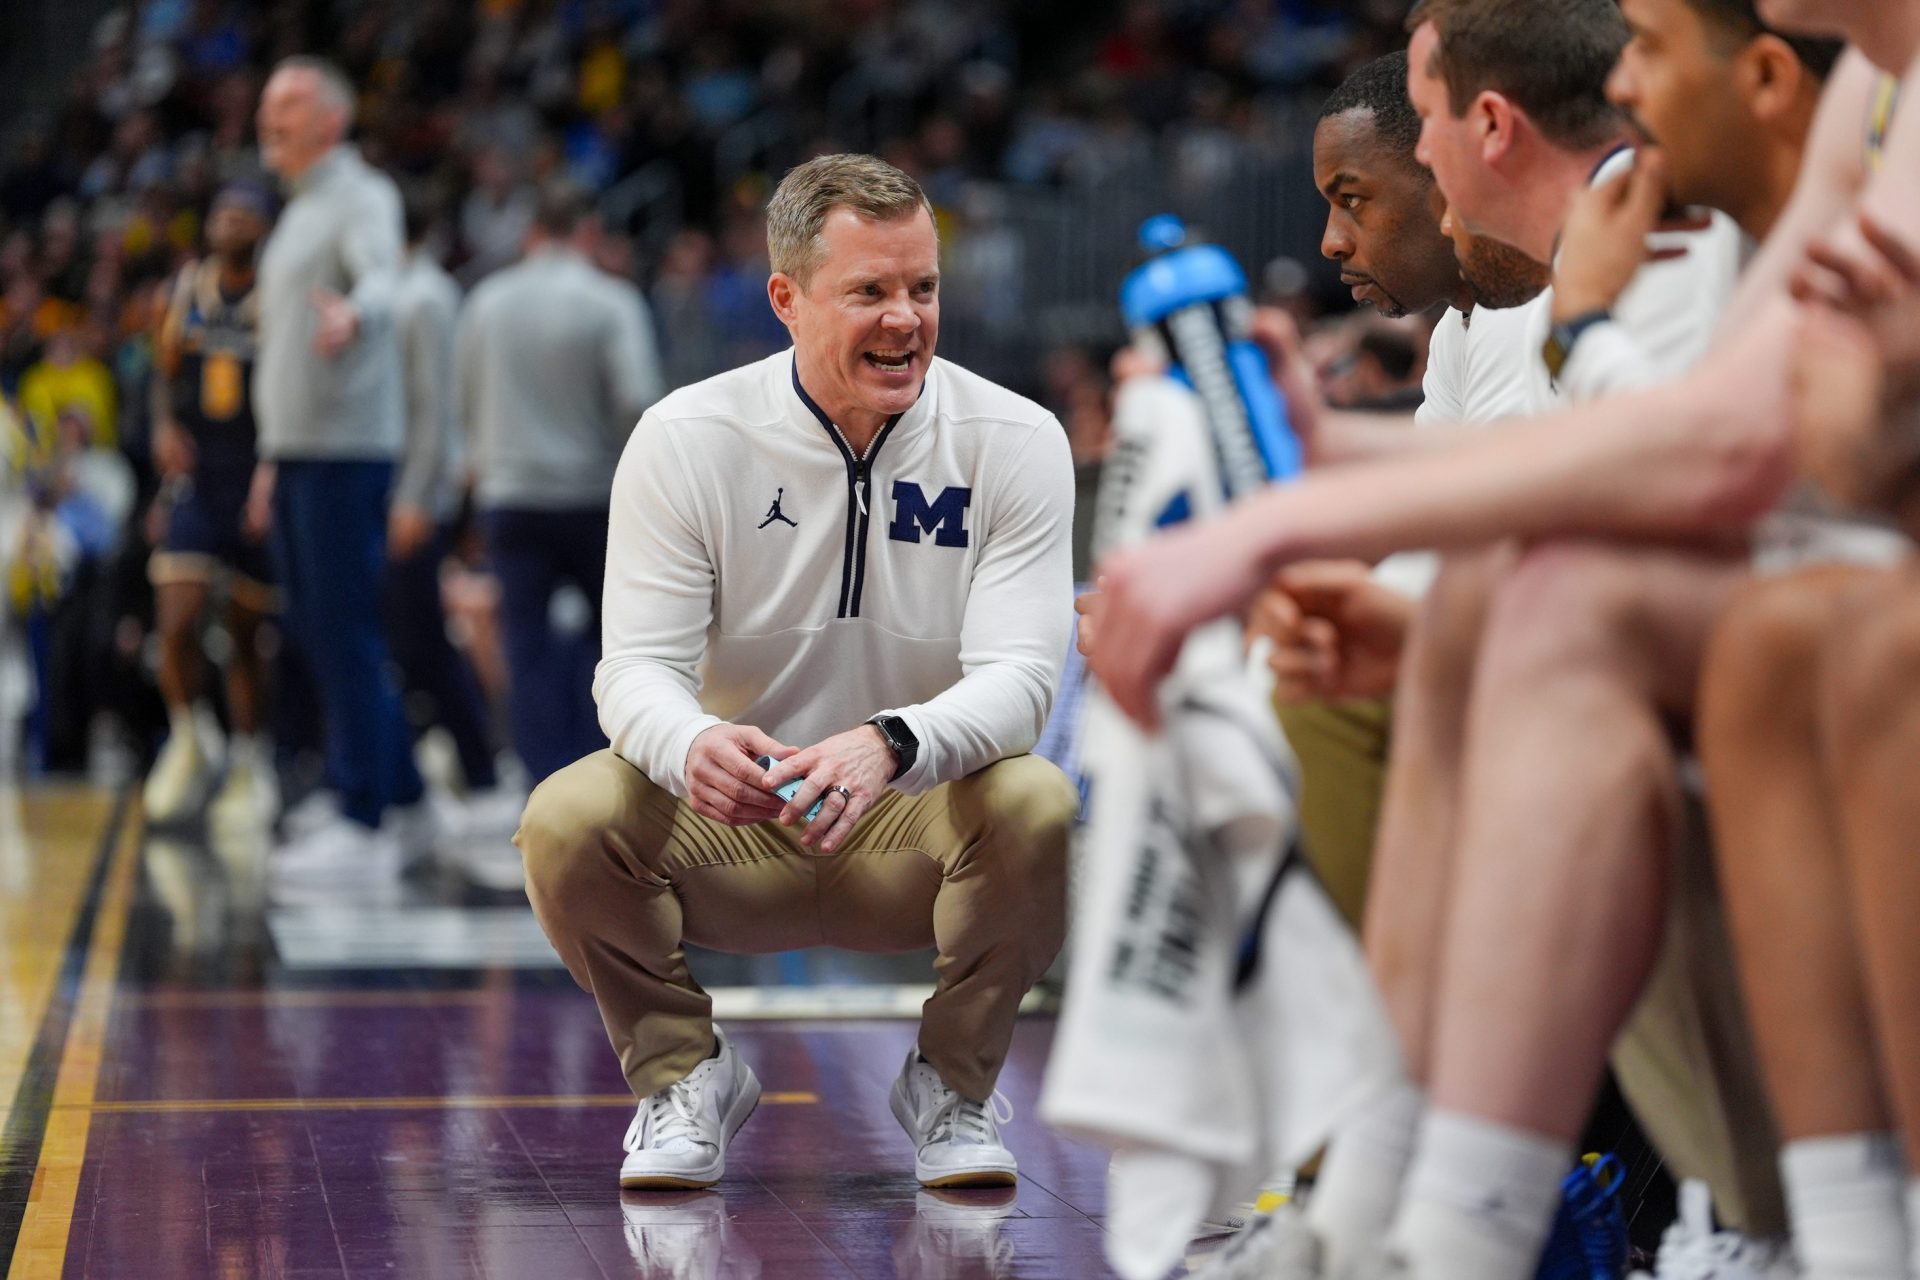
x=204 y=535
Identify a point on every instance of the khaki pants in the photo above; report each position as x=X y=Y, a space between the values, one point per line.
x=1342 y=749
x=621 y=873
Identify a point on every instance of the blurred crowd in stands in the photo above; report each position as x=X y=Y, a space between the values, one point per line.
x=680 y=115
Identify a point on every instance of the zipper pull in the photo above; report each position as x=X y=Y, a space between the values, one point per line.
x=861 y=479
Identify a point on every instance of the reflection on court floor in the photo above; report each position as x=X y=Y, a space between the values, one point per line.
x=200 y=1087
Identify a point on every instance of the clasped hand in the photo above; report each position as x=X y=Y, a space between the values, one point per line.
x=847 y=772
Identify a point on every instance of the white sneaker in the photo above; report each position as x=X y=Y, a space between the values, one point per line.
x=178 y=783
x=320 y=807
x=956 y=1141
x=685 y=1237
x=679 y=1136
x=416 y=831
x=250 y=796
x=495 y=812
x=340 y=863
x=1273 y=1246
x=492 y=863
x=956 y=1234
x=1692 y=1249
x=479 y=839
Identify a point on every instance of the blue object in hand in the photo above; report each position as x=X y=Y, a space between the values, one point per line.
x=788 y=790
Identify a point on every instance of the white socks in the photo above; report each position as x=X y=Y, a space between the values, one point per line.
x=1913 y=1223
x=1844 y=1196
x=1361 y=1178
x=1481 y=1199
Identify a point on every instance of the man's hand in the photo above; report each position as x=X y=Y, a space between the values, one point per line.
x=859 y=760
x=339 y=322
x=257 y=516
x=173 y=453
x=1336 y=633
x=1155 y=594
x=408 y=529
x=1088 y=606
x=1134 y=361
x=1604 y=243
x=1856 y=377
x=1277 y=335
x=723 y=782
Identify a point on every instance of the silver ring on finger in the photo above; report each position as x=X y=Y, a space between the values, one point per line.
x=846 y=796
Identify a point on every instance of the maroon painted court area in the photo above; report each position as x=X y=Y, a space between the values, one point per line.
x=253 y=1120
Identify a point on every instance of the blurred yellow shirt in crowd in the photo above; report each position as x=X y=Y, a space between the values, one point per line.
x=47 y=390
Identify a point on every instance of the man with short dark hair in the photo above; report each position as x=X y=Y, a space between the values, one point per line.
x=1554 y=915
x=554 y=363
x=905 y=622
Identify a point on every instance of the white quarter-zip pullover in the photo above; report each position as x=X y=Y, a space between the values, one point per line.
x=758 y=572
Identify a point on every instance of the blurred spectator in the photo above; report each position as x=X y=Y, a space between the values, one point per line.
x=204 y=446
x=439 y=685
x=554 y=364
x=327 y=392
x=69 y=380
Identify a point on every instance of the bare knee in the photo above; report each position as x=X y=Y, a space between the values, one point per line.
x=1566 y=600
x=1448 y=627
x=1870 y=667
x=1764 y=653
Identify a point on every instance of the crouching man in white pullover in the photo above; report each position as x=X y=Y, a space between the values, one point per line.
x=852 y=558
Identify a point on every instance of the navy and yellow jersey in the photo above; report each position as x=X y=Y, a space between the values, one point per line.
x=1886 y=97
x=208 y=342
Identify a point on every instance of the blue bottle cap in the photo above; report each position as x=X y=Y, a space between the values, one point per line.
x=1162 y=232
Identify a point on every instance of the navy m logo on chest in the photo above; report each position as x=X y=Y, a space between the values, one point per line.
x=945 y=517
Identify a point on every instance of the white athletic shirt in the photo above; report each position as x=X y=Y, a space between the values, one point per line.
x=1479 y=370
x=1665 y=321
x=759 y=573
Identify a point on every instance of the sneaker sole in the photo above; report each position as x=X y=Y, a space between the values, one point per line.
x=718 y=1169
x=969 y=1178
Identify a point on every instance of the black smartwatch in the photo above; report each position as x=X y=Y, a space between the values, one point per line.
x=1562 y=338
x=906 y=747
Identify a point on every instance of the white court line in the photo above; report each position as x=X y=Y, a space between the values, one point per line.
x=510 y=938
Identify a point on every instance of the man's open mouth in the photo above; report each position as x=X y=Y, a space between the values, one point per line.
x=893 y=361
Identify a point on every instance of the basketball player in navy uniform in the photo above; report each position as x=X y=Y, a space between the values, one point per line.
x=204 y=450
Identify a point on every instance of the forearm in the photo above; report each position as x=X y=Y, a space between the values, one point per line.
x=1676 y=462
x=1345 y=437
x=160 y=399
x=994 y=712
x=650 y=716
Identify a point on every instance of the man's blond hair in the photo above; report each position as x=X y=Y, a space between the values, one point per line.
x=865 y=184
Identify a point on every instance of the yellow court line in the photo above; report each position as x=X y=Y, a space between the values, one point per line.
x=40 y=1252
x=456 y=1102
x=298 y=997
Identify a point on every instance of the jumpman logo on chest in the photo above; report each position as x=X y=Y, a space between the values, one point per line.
x=775 y=513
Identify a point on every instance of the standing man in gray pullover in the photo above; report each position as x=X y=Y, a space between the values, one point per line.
x=554 y=363
x=327 y=393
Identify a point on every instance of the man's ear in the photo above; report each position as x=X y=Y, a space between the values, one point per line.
x=783 y=292
x=1496 y=120
x=1770 y=75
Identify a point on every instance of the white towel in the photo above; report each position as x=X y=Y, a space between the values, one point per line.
x=1219 y=1019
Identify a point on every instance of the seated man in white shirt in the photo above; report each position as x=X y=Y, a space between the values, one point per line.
x=853 y=559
